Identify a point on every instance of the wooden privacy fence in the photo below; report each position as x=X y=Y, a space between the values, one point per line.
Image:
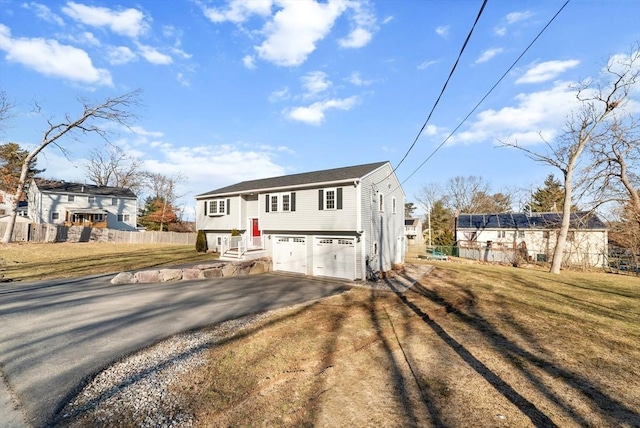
x=31 y=232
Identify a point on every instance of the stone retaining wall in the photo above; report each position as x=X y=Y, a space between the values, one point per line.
x=203 y=271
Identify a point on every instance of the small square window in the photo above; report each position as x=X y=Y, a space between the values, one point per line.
x=91 y=199
x=521 y=234
x=71 y=198
x=114 y=201
x=55 y=216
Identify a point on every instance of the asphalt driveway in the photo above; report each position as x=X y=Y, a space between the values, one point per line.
x=55 y=334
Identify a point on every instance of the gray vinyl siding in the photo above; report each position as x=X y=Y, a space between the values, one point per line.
x=308 y=216
x=382 y=228
x=219 y=222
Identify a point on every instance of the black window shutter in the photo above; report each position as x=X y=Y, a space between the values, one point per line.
x=339 y=198
x=205 y=207
x=228 y=206
x=266 y=206
x=293 y=201
x=320 y=199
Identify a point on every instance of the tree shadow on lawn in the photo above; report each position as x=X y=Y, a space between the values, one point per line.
x=611 y=409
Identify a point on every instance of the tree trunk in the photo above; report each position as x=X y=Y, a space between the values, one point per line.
x=8 y=233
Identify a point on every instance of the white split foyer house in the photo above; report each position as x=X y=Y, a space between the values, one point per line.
x=335 y=223
x=76 y=204
x=498 y=237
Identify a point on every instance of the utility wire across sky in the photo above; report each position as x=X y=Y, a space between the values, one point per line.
x=485 y=96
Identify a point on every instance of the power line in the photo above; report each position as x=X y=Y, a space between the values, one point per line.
x=444 y=87
x=487 y=94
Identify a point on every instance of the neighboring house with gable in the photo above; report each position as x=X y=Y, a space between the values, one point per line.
x=6 y=207
x=76 y=204
x=413 y=232
x=333 y=223
x=532 y=237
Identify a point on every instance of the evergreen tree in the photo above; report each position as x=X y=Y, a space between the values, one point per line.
x=157 y=214
x=548 y=198
x=409 y=208
x=11 y=159
x=441 y=224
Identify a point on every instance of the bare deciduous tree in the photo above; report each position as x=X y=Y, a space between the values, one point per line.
x=112 y=167
x=164 y=190
x=6 y=109
x=583 y=126
x=614 y=173
x=117 y=109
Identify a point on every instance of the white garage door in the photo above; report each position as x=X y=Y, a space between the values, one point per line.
x=335 y=257
x=290 y=254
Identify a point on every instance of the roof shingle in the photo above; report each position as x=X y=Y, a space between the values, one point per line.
x=86 y=189
x=306 y=178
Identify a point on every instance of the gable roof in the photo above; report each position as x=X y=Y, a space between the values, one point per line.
x=411 y=221
x=83 y=189
x=306 y=178
x=579 y=220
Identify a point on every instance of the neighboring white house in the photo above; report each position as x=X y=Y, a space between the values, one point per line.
x=323 y=223
x=75 y=204
x=413 y=232
x=6 y=205
x=502 y=237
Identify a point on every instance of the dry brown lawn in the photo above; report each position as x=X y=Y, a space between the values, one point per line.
x=36 y=261
x=469 y=345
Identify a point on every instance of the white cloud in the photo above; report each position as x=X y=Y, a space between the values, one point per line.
x=500 y=31
x=442 y=31
x=249 y=62
x=281 y=95
x=127 y=22
x=295 y=29
x=118 y=55
x=239 y=11
x=514 y=17
x=356 y=39
x=43 y=12
x=363 y=26
x=489 y=54
x=357 y=80
x=182 y=79
x=139 y=130
x=154 y=56
x=50 y=58
x=546 y=71
x=292 y=29
x=427 y=64
x=315 y=82
x=535 y=113
x=314 y=114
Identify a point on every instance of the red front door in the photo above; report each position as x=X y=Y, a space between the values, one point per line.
x=255 y=230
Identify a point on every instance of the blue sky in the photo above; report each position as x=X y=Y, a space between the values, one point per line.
x=239 y=90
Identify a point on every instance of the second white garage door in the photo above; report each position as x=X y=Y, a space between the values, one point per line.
x=335 y=257
x=290 y=254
